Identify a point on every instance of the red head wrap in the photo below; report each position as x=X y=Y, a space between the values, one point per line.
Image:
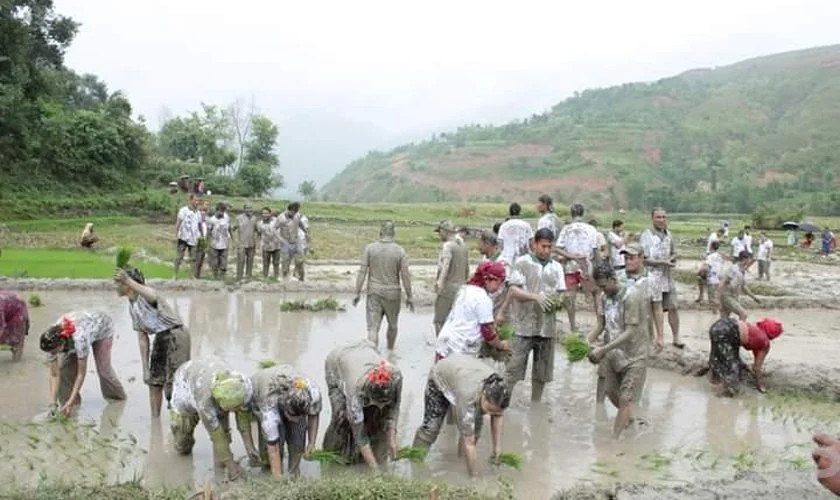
x=68 y=328
x=771 y=327
x=487 y=270
x=380 y=375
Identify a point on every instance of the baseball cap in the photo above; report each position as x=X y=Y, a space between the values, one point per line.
x=633 y=249
x=445 y=225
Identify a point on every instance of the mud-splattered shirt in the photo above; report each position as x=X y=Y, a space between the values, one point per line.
x=736 y=282
x=636 y=316
x=461 y=334
x=714 y=268
x=658 y=245
x=550 y=221
x=578 y=238
x=273 y=389
x=269 y=235
x=535 y=276
x=191 y=391
x=349 y=365
x=189 y=220
x=612 y=312
x=456 y=253
x=515 y=236
x=303 y=234
x=247 y=227
x=219 y=230
x=14 y=319
x=152 y=317
x=386 y=265
x=288 y=225
x=89 y=328
x=461 y=378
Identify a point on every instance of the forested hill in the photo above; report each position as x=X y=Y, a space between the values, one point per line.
x=714 y=140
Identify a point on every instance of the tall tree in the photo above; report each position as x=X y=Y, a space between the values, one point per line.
x=307 y=189
x=241 y=116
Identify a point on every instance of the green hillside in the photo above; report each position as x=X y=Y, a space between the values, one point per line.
x=764 y=131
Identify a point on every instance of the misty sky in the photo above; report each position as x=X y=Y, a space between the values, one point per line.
x=341 y=78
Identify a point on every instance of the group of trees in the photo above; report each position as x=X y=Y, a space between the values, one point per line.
x=60 y=130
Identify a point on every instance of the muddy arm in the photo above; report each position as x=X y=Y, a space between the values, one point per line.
x=81 y=371
x=143 y=344
x=54 y=382
x=496 y=434
x=758 y=368
x=470 y=454
x=405 y=277
x=312 y=427
x=597 y=330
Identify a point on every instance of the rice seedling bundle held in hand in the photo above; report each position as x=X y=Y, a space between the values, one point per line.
x=577 y=348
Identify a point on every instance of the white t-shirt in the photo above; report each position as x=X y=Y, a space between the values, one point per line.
x=712 y=238
x=748 y=243
x=714 y=266
x=578 y=238
x=189 y=230
x=738 y=246
x=89 y=328
x=764 y=249
x=617 y=244
x=515 y=236
x=550 y=221
x=461 y=334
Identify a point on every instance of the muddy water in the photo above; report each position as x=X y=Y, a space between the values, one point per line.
x=688 y=434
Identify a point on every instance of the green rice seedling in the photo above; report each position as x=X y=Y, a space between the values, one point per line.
x=326 y=457
x=511 y=460
x=656 y=460
x=293 y=305
x=35 y=300
x=123 y=256
x=267 y=363
x=505 y=331
x=327 y=304
x=576 y=348
x=202 y=244
x=412 y=454
x=557 y=302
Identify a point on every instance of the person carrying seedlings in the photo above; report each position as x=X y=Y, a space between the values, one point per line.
x=287 y=405
x=625 y=355
x=473 y=389
x=187 y=232
x=14 y=323
x=88 y=239
x=207 y=391
x=660 y=258
x=727 y=336
x=470 y=324
x=269 y=243
x=218 y=231
x=733 y=284
x=610 y=323
x=246 y=227
x=152 y=316
x=453 y=269
x=385 y=266
x=536 y=283
x=73 y=337
x=365 y=392
x=578 y=249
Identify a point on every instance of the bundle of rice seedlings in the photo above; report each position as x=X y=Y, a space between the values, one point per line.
x=327 y=304
x=412 y=454
x=292 y=305
x=325 y=457
x=511 y=460
x=556 y=302
x=202 y=244
x=35 y=300
x=576 y=348
x=123 y=256
x=267 y=363
x=505 y=331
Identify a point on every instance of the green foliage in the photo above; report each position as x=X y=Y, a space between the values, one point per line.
x=511 y=460
x=35 y=300
x=55 y=263
x=412 y=454
x=123 y=256
x=325 y=304
x=326 y=457
x=506 y=331
x=577 y=348
x=267 y=363
x=307 y=189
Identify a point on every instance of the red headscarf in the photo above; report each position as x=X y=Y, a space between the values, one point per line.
x=771 y=327
x=380 y=375
x=486 y=270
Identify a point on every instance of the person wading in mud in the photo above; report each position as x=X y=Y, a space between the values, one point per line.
x=269 y=243
x=548 y=219
x=660 y=258
x=708 y=277
x=152 y=316
x=577 y=246
x=473 y=389
x=536 y=282
x=733 y=284
x=727 y=336
x=515 y=235
x=453 y=270
x=14 y=323
x=288 y=406
x=625 y=355
x=304 y=242
x=207 y=391
x=218 y=230
x=187 y=232
x=365 y=393
x=73 y=337
x=765 y=256
x=384 y=265
x=246 y=227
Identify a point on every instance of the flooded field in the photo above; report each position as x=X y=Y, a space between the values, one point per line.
x=688 y=434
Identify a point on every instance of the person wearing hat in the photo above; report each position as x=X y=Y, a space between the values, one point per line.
x=74 y=336
x=287 y=405
x=152 y=316
x=365 y=393
x=733 y=284
x=246 y=227
x=453 y=270
x=14 y=323
x=473 y=389
x=207 y=391
x=385 y=266
x=727 y=336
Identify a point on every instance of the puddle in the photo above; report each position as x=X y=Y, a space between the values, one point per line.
x=689 y=433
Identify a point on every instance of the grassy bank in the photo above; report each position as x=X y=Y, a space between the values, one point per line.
x=63 y=263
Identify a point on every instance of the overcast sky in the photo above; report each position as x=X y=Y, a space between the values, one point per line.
x=345 y=77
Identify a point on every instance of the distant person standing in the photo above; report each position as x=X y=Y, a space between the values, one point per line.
x=603 y=248
x=827 y=242
x=548 y=219
x=748 y=239
x=288 y=224
x=246 y=227
x=187 y=232
x=577 y=245
x=716 y=236
x=658 y=244
x=765 y=255
x=384 y=266
x=453 y=270
x=791 y=238
x=617 y=240
x=515 y=235
x=269 y=243
x=709 y=275
x=738 y=245
x=303 y=245
x=218 y=230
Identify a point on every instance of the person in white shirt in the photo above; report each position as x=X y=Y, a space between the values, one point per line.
x=515 y=235
x=748 y=239
x=709 y=275
x=187 y=232
x=765 y=254
x=603 y=247
x=548 y=219
x=738 y=245
x=218 y=229
x=617 y=242
x=716 y=236
x=577 y=245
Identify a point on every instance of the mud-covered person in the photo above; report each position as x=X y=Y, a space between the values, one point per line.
x=453 y=270
x=727 y=336
x=488 y=248
x=246 y=229
x=384 y=265
x=577 y=247
x=69 y=342
x=617 y=241
x=14 y=323
x=288 y=406
x=536 y=284
x=218 y=230
x=733 y=285
x=365 y=393
x=269 y=243
x=626 y=354
x=709 y=275
x=288 y=223
x=660 y=259
x=152 y=316
x=515 y=234
x=473 y=389
x=304 y=243
x=187 y=233
x=610 y=324
x=207 y=391
x=548 y=219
